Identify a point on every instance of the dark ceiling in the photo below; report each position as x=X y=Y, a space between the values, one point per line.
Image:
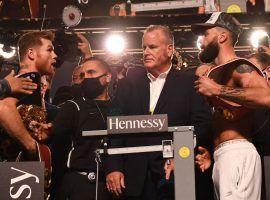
x=97 y=28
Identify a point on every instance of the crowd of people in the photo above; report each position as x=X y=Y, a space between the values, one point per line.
x=226 y=100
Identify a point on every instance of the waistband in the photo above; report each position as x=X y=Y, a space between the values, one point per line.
x=90 y=175
x=231 y=142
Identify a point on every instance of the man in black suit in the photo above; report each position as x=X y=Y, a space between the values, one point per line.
x=157 y=89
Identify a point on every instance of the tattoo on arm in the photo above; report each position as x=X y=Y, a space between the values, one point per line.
x=244 y=69
x=234 y=94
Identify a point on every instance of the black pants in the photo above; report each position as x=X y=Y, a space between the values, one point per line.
x=155 y=188
x=77 y=187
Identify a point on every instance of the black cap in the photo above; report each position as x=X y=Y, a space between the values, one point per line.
x=219 y=19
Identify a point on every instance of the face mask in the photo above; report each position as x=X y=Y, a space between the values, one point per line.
x=91 y=87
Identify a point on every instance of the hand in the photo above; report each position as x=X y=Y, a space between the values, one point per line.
x=115 y=182
x=203 y=159
x=31 y=155
x=207 y=86
x=20 y=85
x=168 y=167
x=31 y=146
x=253 y=2
x=84 y=46
x=41 y=130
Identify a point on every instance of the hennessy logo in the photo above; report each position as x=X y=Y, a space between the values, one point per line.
x=139 y=123
x=132 y=124
x=16 y=193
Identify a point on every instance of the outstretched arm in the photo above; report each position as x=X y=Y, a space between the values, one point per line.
x=11 y=121
x=84 y=46
x=11 y=84
x=20 y=85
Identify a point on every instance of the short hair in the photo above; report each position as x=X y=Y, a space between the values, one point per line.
x=262 y=58
x=102 y=63
x=32 y=39
x=233 y=36
x=165 y=29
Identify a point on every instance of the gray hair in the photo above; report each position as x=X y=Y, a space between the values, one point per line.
x=165 y=29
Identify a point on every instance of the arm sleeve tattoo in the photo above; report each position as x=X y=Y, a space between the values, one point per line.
x=234 y=94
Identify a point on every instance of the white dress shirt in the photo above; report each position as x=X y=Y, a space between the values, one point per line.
x=156 y=86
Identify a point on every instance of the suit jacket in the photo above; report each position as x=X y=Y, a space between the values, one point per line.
x=178 y=99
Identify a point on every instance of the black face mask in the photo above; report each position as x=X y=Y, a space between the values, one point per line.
x=91 y=87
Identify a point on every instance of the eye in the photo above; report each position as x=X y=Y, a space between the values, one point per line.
x=82 y=75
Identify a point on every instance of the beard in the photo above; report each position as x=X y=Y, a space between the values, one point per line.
x=210 y=52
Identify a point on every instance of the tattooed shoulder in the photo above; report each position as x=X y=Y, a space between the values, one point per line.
x=244 y=69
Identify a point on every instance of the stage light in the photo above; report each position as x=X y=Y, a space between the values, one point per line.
x=259 y=37
x=199 y=42
x=7 y=52
x=115 y=44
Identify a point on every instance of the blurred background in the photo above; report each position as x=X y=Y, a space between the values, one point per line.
x=114 y=28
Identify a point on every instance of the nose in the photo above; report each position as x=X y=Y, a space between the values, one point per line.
x=145 y=51
x=54 y=55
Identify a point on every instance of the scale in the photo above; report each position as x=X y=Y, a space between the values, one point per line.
x=181 y=149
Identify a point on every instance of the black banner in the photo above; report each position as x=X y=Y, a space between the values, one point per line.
x=22 y=180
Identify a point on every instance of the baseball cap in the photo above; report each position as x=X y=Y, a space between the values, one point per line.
x=219 y=19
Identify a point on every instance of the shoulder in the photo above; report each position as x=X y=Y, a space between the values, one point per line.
x=246 y=66
x=183 y=75
x=136 y=73
x=133 y=77
x=34 y=76
x=73 y=104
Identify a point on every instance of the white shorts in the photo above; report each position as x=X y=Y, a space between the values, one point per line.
x=237 y=171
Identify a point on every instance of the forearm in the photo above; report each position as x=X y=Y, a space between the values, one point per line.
x=11 y=121
x=250 y=97
x=87 y=55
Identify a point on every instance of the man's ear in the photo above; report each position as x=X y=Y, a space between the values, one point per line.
x=170 y=50
x=108 y=77
x=31 y=53
x=222 y=37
